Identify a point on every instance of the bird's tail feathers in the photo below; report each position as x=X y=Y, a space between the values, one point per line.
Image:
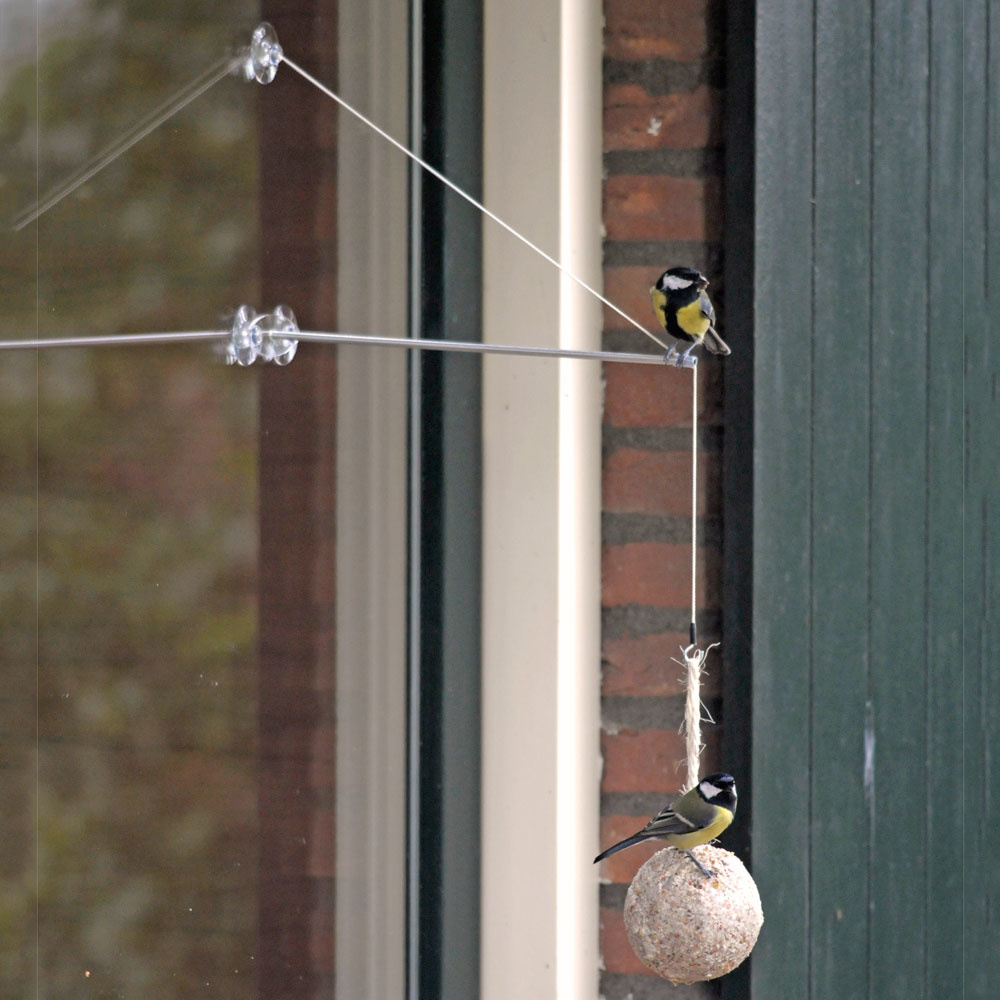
x=715 y=343
x=637 y=838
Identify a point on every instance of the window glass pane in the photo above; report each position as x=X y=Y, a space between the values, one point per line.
x=172 y=531
x=129 y=849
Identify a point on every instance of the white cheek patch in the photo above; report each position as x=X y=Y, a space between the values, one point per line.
x=708 y=790
x=673 y=282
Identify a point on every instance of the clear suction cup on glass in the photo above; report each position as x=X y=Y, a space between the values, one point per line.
x=244 y=345
x=262 y=335
x=263 y=55
x=275 y=347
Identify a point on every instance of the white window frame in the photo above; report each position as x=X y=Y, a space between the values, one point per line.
x=541 y=509
x=542 y=435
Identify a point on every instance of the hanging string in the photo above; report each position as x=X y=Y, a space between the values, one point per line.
x=693 y=634
x=694 y=658
x=692 y=716
x=694 y=663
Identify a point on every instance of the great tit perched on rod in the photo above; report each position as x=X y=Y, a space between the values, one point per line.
x=697 y=817
x=685 y=311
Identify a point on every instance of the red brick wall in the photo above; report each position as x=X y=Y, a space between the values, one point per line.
x=663 y=76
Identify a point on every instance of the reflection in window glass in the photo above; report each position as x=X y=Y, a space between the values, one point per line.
x=146 y=645
x=128 y=615
x=202 y=568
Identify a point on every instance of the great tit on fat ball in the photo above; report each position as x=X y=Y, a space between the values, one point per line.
x=697 y=817
x=685 y=311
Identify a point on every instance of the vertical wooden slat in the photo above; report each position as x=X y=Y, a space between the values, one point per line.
x=988 y=413
x=839 y=584
x=982 y=503
x=898 y=640
x=943 y=898
x=975 y=903
x=781 y=732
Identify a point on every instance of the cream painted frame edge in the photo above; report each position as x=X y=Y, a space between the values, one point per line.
x=541 y=546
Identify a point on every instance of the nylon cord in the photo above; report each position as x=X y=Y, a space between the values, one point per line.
x=468 y=197
x=224 y=67
x=694 y=658
x=694 y=505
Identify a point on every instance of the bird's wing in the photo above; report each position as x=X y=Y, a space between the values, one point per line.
x=707 y=309
x=667 y=821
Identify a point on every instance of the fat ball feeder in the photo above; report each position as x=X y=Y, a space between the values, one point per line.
x=691 y=923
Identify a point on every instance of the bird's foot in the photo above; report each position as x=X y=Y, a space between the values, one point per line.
x=685 y=360
x=705 y=871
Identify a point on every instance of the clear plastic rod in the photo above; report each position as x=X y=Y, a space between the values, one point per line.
x=472 y=347
x=364 y=340
x=114 y=340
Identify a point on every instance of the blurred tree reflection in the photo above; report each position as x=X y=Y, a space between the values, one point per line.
x=128 y=527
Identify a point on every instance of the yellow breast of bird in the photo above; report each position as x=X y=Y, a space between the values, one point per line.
x=692 y=320
x=659 y=305
x=685 y=840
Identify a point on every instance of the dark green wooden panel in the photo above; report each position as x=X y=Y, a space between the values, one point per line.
x=982 y=503
x=974 y=274
x=945 y=487
x=839 y=584
x=783 y=252
x=874 y=452
x=898 y=527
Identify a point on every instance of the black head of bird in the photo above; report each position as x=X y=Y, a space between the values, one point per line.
x=678 y=278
